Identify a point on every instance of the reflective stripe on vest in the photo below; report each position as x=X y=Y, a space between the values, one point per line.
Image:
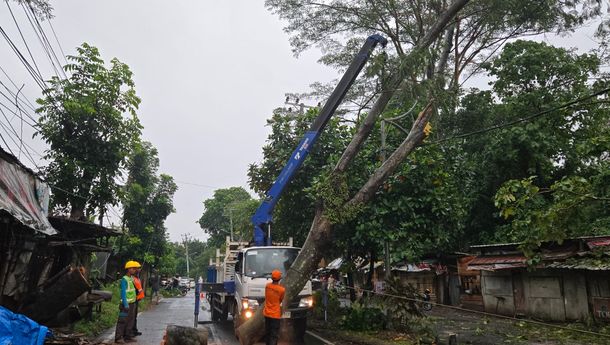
x=131 y=290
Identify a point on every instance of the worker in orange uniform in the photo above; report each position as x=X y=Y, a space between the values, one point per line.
x=274 y=295
x=139 y=296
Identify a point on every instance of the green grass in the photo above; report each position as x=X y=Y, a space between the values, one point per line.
x=109 y=315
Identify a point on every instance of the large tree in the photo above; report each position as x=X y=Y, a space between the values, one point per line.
x=147 y=203
x=529 y=77
x=228 y=207
x=336 y=203
x=89 y=121
x=431 y=48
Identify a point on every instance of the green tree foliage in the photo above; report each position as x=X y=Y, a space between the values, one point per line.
x=338 y=28
x=541 y=159
x=442 y=197
x=286 y=132
x=41 y=8
x=419 y=210
x=228 y=204
x=89 y=121
x=200 y=254
x=147 y=203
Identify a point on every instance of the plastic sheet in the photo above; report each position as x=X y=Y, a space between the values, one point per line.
x=25 y=197
x=16 y=329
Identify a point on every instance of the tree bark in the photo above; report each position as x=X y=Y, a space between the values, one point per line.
x=179 y=335
x=319 y=237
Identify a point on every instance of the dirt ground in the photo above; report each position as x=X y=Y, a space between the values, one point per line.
x=476 y=329
x=472 y=329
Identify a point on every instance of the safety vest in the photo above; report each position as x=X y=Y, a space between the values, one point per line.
x=138 y=285
x=274 y=294
x=131 y=290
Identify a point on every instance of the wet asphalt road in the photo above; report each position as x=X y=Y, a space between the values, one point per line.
x=180 y=311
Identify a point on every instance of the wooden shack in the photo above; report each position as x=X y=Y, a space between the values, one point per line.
x=569 y=281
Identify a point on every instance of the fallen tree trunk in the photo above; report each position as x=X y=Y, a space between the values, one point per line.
x=57 y=296
x=179 y=335
x=319 y=238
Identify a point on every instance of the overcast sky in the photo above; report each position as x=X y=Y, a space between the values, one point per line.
x=209 y=74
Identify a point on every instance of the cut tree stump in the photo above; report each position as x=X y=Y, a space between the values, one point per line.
x=179 y=335
x=57 y=296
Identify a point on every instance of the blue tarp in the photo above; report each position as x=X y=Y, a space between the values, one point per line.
x=16 y=329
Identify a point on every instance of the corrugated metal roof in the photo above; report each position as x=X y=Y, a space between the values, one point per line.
x=499 y=259
x=598 y=242
x=495 y=267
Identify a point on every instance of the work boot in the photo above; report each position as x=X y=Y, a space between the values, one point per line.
x=136 y=333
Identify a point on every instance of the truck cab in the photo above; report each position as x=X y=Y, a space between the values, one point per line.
x=253 y=272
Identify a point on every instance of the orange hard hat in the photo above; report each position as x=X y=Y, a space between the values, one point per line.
x=276 y=275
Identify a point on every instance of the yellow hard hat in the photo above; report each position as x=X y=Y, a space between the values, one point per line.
x=132 y=264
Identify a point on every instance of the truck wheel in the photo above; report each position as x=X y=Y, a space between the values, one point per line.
x=225 y=312
x=236 y=323
x=215 y=314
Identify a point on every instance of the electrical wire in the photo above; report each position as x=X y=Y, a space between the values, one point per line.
x=523 y=119
x=20 y=101
x=15 y=113
x=31 y=106
x=57 y=40
x=38 y=79
x=49 y=46
x=6 y=145
x=196 y=184
x=23 y=39
x=27 y=153
x=41 y=39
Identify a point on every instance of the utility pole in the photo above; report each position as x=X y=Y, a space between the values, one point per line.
x=301 y=105
x=386 y=246
x=185 y=239
x=384 y=133
x=231 y=222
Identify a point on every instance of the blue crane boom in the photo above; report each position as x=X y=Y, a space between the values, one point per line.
x=263 y=216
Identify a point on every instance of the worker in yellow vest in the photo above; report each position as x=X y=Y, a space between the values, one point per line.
x=124 y=325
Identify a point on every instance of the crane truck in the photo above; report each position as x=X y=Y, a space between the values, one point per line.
x=236 y=280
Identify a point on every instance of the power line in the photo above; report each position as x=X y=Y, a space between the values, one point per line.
x=6 y=145
x=38 y=79
x=28 y=154
x=19 y=99
x=523 y=119
x=196 y=184
x=57 y=40
x=23 y=39
x=14 y=113
x=41 y=37
x=46 y=39
x=31 y=106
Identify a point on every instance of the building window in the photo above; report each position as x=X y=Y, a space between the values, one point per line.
x=471 y=285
